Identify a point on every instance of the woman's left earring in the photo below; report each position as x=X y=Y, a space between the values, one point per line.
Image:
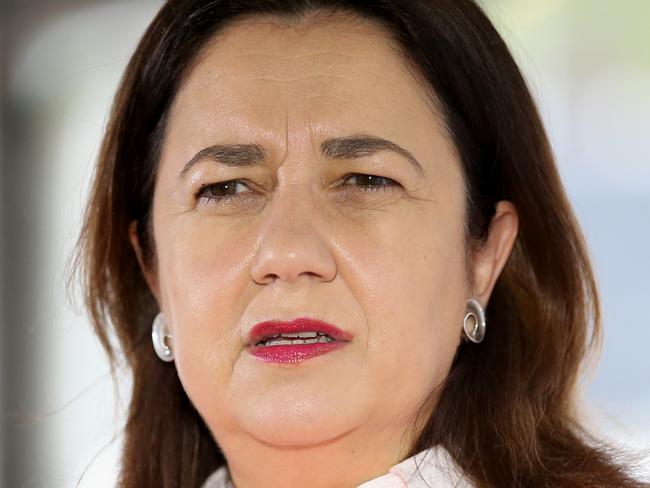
x=474 y=322
x=161 y=338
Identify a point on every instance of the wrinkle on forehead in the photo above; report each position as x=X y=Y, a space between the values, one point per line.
x=318 y=34
x=322 y=36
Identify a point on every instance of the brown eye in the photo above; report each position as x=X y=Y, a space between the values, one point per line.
x=371 y=183
x=220 y=192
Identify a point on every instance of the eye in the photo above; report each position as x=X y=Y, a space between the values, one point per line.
x=371 y=183
x=220 y=192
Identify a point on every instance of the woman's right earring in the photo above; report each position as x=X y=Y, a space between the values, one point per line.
x=474 y=322
x=160 y=337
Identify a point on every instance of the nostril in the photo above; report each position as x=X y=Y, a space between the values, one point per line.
x=264 y=280
x=268 y=279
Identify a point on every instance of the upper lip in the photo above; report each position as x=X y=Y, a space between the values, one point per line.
x=270 y=328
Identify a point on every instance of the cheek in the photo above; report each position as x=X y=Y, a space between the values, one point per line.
x=200 y=271
x=203 y=265
x=416 y=281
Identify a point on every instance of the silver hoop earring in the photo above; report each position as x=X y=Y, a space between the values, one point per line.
x=474 y=322
x=161 y=338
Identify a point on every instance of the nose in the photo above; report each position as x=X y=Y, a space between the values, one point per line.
x=290 y=244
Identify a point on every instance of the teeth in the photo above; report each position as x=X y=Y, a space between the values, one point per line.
x=285 y=342
x=301 y=334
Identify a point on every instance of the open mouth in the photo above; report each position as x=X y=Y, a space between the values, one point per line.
x=296 y=341
x=297 y=332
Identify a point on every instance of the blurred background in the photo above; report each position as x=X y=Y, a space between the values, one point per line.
x=587 y=62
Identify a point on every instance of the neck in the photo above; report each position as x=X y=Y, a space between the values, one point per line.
x=343 y=462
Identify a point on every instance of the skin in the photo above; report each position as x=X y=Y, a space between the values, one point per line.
x=390 y=266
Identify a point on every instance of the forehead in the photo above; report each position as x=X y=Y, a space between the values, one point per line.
x=318 y=45
x=268 y=76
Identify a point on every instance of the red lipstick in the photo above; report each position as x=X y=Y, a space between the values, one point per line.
x=278 y=342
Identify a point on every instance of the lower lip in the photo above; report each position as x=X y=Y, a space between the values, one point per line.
x=290 y=354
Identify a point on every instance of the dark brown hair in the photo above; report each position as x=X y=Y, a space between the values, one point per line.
x=506 y=413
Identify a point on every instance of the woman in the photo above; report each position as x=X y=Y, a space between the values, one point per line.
x=341 y=225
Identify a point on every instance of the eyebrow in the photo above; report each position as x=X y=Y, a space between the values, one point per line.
x=349 y=147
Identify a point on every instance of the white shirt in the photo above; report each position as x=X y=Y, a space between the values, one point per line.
x=431 y=468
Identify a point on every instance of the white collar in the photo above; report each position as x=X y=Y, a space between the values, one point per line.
x=432 y=467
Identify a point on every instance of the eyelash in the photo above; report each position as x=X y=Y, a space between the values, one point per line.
x=224 y=198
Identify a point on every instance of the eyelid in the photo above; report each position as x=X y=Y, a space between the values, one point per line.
x=203 y=187
x=392 y=184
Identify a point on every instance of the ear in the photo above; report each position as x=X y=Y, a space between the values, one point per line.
x=489 y=260
x=149 y=274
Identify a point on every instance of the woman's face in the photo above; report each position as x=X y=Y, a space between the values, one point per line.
x=381 y=258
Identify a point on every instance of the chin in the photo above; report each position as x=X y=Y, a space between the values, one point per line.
x=294 y=436
x=296 y=420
